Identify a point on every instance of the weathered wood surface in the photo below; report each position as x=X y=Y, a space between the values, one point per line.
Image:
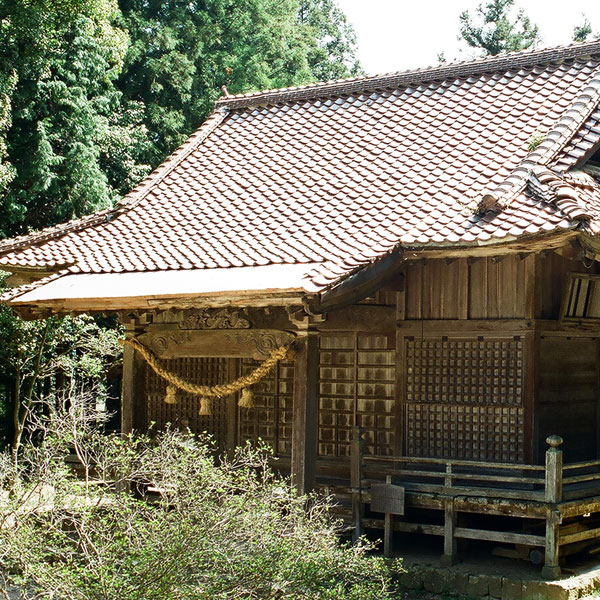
x=133 y=405
x=482 y=288
x=568 y=372
x=179 y=343
x=305 y=424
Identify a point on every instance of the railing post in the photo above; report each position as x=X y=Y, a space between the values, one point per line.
x=554 y=466
x=553 y=495
x=356 y=451
x=449 y=557
x=388 y=530
x=448 y=477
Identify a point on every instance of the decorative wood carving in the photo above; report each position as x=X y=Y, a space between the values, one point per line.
x=255 y=343
x=220 y=318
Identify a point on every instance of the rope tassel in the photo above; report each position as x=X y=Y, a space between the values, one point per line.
x=205 y=407
x=246 y=399
x=171 y=395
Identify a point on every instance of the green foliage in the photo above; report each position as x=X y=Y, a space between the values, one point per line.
x=583 y=31
x=69 y=124
x=7 y=86
x=93 y=92
x=182 y=53
x=535 y=140
x=330 y=39
x=218 y=530
x=495 y=28
x=47 y=354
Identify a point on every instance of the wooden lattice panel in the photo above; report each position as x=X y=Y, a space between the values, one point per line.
x=205 y=371
x=271 y=418
x=357 y=387
x=491 y=433
x=464 y=398
x=479 y=371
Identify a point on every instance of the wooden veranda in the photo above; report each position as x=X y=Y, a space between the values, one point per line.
x=556 y=495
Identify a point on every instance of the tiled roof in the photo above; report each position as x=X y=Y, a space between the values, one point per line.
x=340 y=173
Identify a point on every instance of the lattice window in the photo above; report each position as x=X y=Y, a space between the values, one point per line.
x=357 y=387
x=492 y=433
x=464 y=371
x=464 y=398
x=271 y=418
x=205 y=371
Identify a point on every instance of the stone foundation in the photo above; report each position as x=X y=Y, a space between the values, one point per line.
x=459 y=581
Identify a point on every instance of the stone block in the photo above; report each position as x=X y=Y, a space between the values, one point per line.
x=533 y=590
x=432 y=581
x=454 y=582
x=511 y=589
x=478 y=586
x=542 y=590
x=411 y=579
x=495 y=586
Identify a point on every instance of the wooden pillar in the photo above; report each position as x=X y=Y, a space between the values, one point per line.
x=356 y=463
x=388 y=528
x=553 y=495
x=449 y=556
x=132 y=387
x=305 y=420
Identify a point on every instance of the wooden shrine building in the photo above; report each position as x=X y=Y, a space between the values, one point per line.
x=428 y=243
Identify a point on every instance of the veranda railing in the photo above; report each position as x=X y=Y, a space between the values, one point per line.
x=545 y=486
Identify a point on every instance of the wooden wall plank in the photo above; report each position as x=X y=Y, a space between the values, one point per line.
x=568 y=394
x=483 y=288
x=463 y=284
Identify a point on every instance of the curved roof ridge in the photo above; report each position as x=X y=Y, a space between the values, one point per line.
x=553 y=142
x=501 y=62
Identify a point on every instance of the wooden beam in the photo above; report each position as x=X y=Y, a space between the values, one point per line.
x=505 y=537
x=460 y=327
x=361 y=317
x=362 y=283
x=305 y=419
x=170 y=342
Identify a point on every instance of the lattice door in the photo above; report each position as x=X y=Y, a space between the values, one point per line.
x=271 y=418
x=205 y=371
x=464 y=398
x=357 y=387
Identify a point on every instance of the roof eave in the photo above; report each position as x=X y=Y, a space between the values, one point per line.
x=366 y=279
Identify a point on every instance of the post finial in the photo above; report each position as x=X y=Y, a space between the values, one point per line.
x=554 y=441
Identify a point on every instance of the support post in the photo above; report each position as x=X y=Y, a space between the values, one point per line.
x=305 y=420
x=131 y=387
x=449 y=557
x=553 y=495
x=356 y=452
x=388 y=528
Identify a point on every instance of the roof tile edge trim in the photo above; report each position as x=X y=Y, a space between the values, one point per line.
x=510 y=60
x=130 y=200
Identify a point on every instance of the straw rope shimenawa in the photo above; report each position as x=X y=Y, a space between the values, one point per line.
x=207 y=393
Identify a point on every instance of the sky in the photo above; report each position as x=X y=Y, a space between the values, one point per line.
x=395 y=35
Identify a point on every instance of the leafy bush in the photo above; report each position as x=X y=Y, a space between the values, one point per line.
x=210 y=530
